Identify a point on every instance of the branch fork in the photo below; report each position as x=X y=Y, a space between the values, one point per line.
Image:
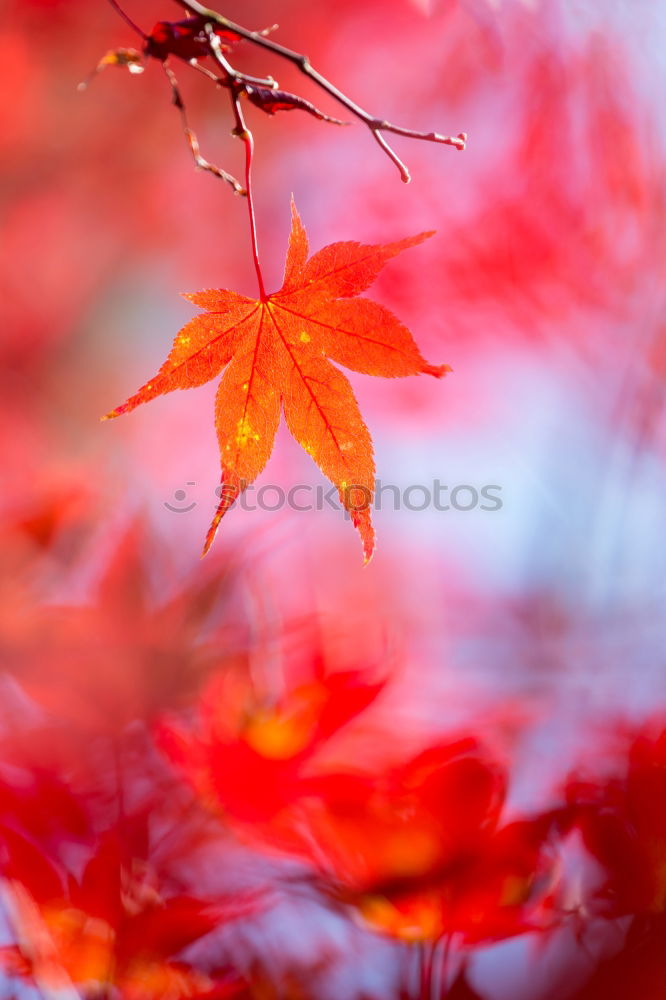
x=206 y=34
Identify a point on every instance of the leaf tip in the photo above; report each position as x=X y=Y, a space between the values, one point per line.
x=362 y=521
x=210 y=534
x=437 y=371
x=414 y=241
x=228 y=497
x=295 y=214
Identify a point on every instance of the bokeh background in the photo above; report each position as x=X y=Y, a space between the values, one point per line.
x=536 y=630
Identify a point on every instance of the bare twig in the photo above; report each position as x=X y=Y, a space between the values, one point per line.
x=192 y=140
x=202 y=41
x=376 y=125
x=205 y=33
x=127 y=19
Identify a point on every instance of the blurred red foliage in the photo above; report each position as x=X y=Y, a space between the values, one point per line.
x=201 y=796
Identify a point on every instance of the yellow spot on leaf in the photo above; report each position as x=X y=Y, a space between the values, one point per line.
x=245 y=433
x=304 y=338
x=514 y=891
x=278 y=737
x=420 y=920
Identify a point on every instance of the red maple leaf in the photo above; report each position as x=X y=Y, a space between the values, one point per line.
x=275 y=351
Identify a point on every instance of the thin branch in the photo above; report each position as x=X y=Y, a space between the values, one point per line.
x=256 y=81
x=128 y=20
x=376 y=125
x=261 y=91
x=442 y=966
x=251 y=81
x=426 y=951
x=392 y=155
x=192 y=140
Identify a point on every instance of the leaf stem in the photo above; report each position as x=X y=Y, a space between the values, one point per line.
x=426 y=951
x=244 y=133
x=237 y=86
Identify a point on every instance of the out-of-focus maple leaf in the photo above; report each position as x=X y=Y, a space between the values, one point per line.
x=254 y=754
x=417 y=819
x=623 y=824
x=419 y=854
x=398 y=844
x=276 y=350
x=110 y=927
x=38 y=802
x=581 y=238
x=124 y=654
x=638 y=969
